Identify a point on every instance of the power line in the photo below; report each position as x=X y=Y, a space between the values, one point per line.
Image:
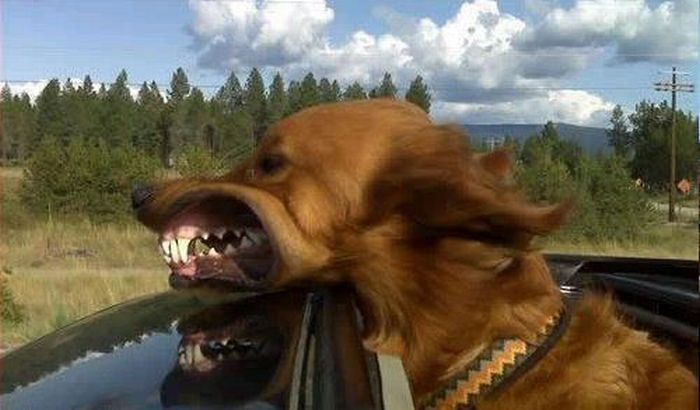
x=437 y=88
x=674 y=87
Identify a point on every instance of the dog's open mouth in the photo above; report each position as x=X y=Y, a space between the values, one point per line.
x=219 y=239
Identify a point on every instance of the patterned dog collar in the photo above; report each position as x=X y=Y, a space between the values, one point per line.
x=496 y=367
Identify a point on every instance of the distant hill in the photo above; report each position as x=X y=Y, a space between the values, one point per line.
x=592 y=139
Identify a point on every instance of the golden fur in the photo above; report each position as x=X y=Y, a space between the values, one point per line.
x=436 y=241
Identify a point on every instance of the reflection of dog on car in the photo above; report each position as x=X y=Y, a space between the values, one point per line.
x=236 y=353
x=436 y=241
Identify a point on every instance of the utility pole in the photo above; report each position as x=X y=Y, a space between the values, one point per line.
x=674 y=86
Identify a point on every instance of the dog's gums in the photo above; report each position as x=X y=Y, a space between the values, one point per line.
x=202 y=243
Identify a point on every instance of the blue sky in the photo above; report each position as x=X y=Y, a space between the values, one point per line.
x=487 y=61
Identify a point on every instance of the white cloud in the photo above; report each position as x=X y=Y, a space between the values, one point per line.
x=34 y=88
x=570 y=106
x=481 y=63
x=666 y=33
x=247 y=33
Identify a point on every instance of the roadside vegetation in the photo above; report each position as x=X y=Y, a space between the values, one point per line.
x=69 y=245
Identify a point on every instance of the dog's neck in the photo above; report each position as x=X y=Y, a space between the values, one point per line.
x=438 y=318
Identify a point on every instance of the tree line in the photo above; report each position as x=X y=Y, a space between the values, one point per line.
x=227 y=124
x=83 y=147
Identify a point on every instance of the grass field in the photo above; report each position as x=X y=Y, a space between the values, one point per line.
x=62 y=269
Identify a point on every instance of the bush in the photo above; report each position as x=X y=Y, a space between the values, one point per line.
x=10 y=311
x=196 y=161
x=609 y=206
x=85 y=177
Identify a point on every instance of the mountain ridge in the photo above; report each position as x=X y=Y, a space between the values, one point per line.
x=593 y=140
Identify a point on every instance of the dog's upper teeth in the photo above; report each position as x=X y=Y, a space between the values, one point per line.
x=174 y=251
x=183 y=246
x=220 y=232
x=165 y=247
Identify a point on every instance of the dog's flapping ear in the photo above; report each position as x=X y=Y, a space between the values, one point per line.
x=498 y=162
x=435 y=180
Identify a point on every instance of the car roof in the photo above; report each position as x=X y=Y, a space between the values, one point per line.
x=171 y=349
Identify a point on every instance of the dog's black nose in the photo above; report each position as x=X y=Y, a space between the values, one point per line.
x=141 y=194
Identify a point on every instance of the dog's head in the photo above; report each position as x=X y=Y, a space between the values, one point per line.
x=334 y=185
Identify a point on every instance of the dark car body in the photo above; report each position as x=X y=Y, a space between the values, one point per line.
x=293 y=349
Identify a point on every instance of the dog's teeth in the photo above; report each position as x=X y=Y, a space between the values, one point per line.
x=220 y=232
x=174 y=252
x=165 y=247
x=205 y=235
x=246 y=242
x=167 y=259
x=183 y=245
x=213 y=252
x=198 y=356
x=230 y=250
x=189 y=354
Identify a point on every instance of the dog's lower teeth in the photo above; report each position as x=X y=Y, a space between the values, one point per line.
x=230 y=250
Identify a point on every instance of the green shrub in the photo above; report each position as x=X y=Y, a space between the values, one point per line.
x=609 y=206
x=10 y=311
x=612 y=206
x=85 y=177
x=196 y=161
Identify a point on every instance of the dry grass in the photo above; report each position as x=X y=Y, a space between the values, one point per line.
x=61 y=270
x=662 y=240
x=54 y=299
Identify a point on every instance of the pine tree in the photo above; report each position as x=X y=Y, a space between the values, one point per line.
x=354 y=92
x=149 y=108
x=196 y=116
x=49 y=113
x=230 y=95
x=119 y=111
x=72 y=107
x=87 y=88
x=24 y=127
x=102 y=92
x=90 y=110
x=254 y=100
x=618 y=134
x=325 y=90
x=5 y=122
x=386 y=88
x=6 y=94
x=276 y=100
x=336 y=94
x=309 y=92
x=293 y=97
x=418 y=94
x=179 y=86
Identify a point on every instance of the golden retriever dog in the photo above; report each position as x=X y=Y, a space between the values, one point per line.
x=436 y=242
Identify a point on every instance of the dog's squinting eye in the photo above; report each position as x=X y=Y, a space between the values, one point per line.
x=271 y=163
